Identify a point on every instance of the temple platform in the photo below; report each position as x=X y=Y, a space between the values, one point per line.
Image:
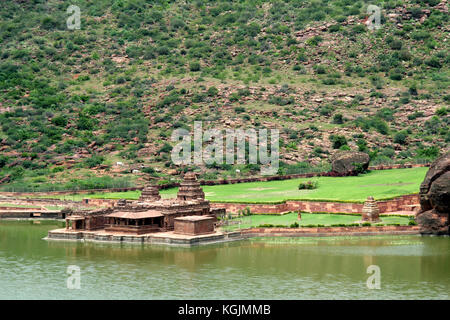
x=168 y=238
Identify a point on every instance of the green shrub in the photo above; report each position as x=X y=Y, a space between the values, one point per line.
x=395 y=75
x=59 y=121
x=267 y=225
x=3 y=161
x=148 y=170
x=442 y=112
x=358 y=29
x=320 y=69
x=93 y=161
x=194 y=66
x=396 y=45
x=433 y=62
x=338 y=225
x=212 y=91
x=338 y=118
x=314 y=41
x=166 y=148
x=308 y=185
x=338 y=141
x=400 y=137
x=420 y=35
x=85 y=123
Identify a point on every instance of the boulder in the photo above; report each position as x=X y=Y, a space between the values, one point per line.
x=435 y=198
x=349 y=162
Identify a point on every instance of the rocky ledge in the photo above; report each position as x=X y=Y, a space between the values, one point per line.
x=435 y=198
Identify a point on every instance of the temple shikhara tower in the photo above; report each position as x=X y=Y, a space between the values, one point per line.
x=151 y=213
x=190 y=188
x=149 y=194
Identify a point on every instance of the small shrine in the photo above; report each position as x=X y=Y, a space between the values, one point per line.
x=370 y=211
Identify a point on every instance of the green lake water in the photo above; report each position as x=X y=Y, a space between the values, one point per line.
x=412 y=267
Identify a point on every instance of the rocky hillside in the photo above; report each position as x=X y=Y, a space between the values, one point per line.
x=96 y=106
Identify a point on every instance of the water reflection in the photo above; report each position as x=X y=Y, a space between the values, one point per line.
x=278 y=268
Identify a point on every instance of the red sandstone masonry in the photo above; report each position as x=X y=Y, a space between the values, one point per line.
x=57 y=193
x=329 y=231
x=57 y=202
x=21 y=209
x=397 y=204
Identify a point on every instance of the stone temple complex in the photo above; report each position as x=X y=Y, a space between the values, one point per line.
x=189 y=213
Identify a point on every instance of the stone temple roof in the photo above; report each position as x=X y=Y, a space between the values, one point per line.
x=136 y=214
x=194 y=218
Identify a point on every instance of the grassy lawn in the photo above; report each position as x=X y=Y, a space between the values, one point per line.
x=307 y=219
x=380 y=184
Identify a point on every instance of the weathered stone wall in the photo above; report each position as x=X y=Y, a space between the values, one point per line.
x=397 y=204
x=99 y=202
x=403 y=203
x=20 y=208
x=59 y=203
x=328 y=231
x=408 y=202
x=58 y=193
x=194 y=227
x=43 y=202
x=15 y=214
x=30 y=214
x=95 y=222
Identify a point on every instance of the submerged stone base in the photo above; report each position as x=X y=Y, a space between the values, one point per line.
x=155 y=238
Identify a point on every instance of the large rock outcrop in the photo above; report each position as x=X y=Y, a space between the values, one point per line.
x=433 y=216
x=349 y=162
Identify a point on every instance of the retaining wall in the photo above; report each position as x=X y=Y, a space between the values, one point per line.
x=60 y=203
x=397 y=204
x=402 y=203
x=329 y=231
x=30 y=214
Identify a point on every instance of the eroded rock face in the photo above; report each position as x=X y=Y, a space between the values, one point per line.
x=349 y=162
x=433 y=216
